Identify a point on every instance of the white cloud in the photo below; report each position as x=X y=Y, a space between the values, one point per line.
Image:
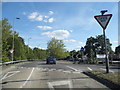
x=41 y=48
x=70 y=40
x=45 y=20
x=33 y=15
x=32 y=47
x=79 y=45
x=115 y=41
x=39 y=18
x=58 y=34
x=46 y=16
x=70 y=31
x=44 y=27
x=50 y=20
x=51 y=12
x=24 y=13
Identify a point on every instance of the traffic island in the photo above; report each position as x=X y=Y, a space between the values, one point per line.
x=111 y=80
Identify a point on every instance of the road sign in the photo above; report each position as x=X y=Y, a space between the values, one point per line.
x=103 y=20
x=82 y=49
x=11 y=51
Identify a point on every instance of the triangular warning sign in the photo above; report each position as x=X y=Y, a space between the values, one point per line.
x=103 y=20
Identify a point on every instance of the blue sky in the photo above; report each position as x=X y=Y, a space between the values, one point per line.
x=72 y=22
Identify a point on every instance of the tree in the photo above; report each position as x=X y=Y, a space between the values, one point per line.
x=96 y=46
x=6 y=34
x=55 y=48
x=100 y=45
x=117 y=50
x=39 y=53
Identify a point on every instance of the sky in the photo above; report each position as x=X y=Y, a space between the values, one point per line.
x=72 y=22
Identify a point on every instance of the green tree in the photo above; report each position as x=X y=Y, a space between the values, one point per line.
x=117 y=50
x=29 y=53
x=90 y=49
x=96 y=46
x=39 y=53
x=6 y=34
x=55 y=48
x=100 y=45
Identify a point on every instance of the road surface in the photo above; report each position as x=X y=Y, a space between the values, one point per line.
x=38 y=74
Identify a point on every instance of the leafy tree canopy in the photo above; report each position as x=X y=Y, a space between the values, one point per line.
x=55 y=48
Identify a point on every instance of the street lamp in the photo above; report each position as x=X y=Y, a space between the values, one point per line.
x=28 y=44
x=12 y=51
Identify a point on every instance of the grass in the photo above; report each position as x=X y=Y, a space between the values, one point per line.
x=112 y=77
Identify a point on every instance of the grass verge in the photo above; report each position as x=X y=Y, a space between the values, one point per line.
x=111 y=77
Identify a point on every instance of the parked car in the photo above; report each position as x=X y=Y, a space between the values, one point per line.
x=51 y=60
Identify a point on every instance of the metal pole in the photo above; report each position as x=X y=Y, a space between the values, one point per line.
x=106 y=56
x=13 y=41
x=28 y=44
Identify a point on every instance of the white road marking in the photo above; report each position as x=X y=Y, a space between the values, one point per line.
x=59 y=83
x=89 y=68
x=72 y=68
x=27 y=78
x=79 y=71
x=11 y=74
x=53 y=69
x=105 y=70
x=60 y=70
x=76 y=72
x=44 y=69
x=67 y=71
x=50 y=70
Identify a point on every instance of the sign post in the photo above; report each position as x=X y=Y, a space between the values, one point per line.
x=82 y=50
x=103 y=20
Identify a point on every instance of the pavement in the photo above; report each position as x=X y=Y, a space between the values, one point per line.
x=36 y=74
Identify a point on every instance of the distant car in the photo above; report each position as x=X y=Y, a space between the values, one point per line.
x=51 y=60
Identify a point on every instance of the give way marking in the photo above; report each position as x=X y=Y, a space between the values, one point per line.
x=59 y=83
x=9 y=74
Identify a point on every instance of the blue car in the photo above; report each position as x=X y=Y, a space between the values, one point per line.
x=51 y=60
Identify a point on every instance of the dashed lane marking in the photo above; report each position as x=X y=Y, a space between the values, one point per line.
x=67 y=71
x=72 y=68
x=89 y=68
x=76 y=72
x=60 y=70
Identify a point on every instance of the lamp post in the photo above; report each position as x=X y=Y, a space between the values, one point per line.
x=28 y=44
x=12 y=51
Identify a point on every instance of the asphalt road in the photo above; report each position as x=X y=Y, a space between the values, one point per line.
x=38 y=74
